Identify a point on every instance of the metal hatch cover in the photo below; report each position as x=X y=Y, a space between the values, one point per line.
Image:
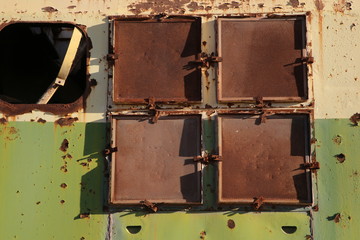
x=262 y=58
x=155 y=161
x=154 y=60
x=264 y=160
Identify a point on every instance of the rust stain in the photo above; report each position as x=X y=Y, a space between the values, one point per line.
x=3 y=121
x=337 y=218
x=319 y=5
x=49 y=9
x=194 y=6
x=13 y=130
x=165 y=6
x=337 y=139
x=294 y=3
x=224 y=6
x=85 y=216
x=40 y=120
x=231 y=224
x=234 y=4
x=341 y=6
x=340 y=157
x=63 y=185
x=64 y=145
x=261 y=5
x=66 y=121
x=315 y=208
x=202 y=235
x=62 y=201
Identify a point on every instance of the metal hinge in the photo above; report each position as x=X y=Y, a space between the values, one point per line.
x=311 y=165
x=205 y=60
x=111 y=57
x=152 y=207
x=258 y=203
x=308 y=60
x=110 y=150
x=207 y=158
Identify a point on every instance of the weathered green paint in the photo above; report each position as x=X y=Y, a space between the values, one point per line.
x=211 y=225
x=338 y=183
x=32 y=171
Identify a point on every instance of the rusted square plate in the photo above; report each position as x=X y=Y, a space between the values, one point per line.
x=154 y=161
x=261 y=58
x=154 y=60
x=264 y=159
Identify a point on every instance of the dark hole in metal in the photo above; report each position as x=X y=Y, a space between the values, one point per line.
x=30 y=60
x=340 y=157
x=289 y=229
x=133 y=229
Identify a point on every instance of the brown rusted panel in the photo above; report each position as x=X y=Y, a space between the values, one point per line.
x=154 y=60
x=262 y=58
x=155 y=161
x=264 y=159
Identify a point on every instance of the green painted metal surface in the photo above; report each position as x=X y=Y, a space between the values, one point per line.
x=35 y=203
x=338 y=183
x=180 y=225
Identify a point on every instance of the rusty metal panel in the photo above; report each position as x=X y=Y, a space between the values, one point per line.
x=264 y=159
x=262 y=58
x=155 y=161
x=153 y=60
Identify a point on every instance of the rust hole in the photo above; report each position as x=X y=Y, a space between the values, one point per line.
x=340 y=157
x=289 y=229
x=63 y=185
x=231 y=223
x=133 y=229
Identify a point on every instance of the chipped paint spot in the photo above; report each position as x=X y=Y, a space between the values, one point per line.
x=66 y=121
x=3 y=121
x=194 y=6
x=49 y=9
x=64 y=145
x=294 y=3
x=166 y=6
x=40 y=120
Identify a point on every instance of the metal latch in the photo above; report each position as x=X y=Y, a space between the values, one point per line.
x=207 y=158
x=110 y=150
x=311 y=165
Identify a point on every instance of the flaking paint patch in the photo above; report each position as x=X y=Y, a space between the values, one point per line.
x=319 y=5
x=166 y=6
x=294 y=3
